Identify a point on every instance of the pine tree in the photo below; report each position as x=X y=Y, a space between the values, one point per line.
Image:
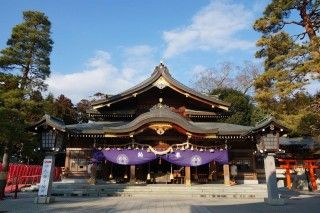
x=12 y=124
x=24 y=65
x=281 y=13
x=28 y=50
x=290 y=60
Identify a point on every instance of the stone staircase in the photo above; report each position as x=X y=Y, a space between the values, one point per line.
x=167 y=190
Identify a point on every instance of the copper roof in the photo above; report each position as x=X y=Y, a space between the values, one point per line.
x=160 y=71
x=268 y=121
x=48 y=120
x=157 y=114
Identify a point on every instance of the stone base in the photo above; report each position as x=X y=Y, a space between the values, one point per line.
x=187 y=183
x=74 y=180
x=249 y=182
x=44 y=200
x=275 y=202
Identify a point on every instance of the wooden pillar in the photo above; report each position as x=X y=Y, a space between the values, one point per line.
x=288 y=176
x=132 y=173
x=212 y=171
x=67 y=161
x=67 y=169
x=187 y=171
x=254 y=167
x=226 y=174
x=312 y=178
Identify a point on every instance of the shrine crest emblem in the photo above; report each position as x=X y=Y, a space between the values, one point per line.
x=196 y=160
x=122 y=159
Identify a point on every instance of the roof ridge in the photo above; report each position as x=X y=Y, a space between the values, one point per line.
x=265 y=119
x=162 y=71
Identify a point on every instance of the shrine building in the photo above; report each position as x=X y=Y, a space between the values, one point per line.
x=161 y=131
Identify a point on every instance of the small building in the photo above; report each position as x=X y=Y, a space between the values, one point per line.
x=162 y=131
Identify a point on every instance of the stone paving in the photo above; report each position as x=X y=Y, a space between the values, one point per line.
x=296 y=203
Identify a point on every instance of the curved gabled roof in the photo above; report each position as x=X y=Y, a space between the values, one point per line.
x=49 y=121
x=267 y=122
x=161 y=78
x=158 y=114
x=161 y=114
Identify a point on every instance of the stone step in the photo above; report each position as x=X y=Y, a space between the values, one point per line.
x=158 y=191
x=167 y=190
x=206 y=191
x=160 y=187
x=176 y=194
x=213 y=195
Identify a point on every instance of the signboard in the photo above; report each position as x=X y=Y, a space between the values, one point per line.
x=46 y=176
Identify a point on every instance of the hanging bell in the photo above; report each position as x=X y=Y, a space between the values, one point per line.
x=110 y=176
x=125 y=176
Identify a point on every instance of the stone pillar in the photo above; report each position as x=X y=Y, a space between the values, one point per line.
x=132 y=174
x=226 y=174
x=187 y=180
x=271 y=180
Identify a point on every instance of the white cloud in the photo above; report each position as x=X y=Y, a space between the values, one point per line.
x=101 y=75
x=138 y=59
x=214 y=27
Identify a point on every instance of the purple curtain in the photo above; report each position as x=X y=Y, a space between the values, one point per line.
x=196 y=158
x=128 y=157
x=179 y=157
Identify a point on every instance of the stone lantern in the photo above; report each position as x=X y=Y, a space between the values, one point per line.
x=51 y=140
x=267 y=134
x=51 y=130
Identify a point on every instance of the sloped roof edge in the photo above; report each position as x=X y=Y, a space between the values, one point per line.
x=49 y=120
x=159 y=71
x=162 y=114
x=265 y=123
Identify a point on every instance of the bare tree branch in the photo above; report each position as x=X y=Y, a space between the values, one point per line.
x=227 y=75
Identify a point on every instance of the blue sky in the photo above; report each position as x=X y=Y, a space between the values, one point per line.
x=109 y=46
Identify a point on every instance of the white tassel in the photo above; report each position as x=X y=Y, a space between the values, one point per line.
x=171 y=176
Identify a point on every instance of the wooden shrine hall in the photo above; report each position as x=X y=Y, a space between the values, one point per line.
x=162 y=131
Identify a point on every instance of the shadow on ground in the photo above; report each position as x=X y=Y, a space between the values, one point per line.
x=296 y=202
